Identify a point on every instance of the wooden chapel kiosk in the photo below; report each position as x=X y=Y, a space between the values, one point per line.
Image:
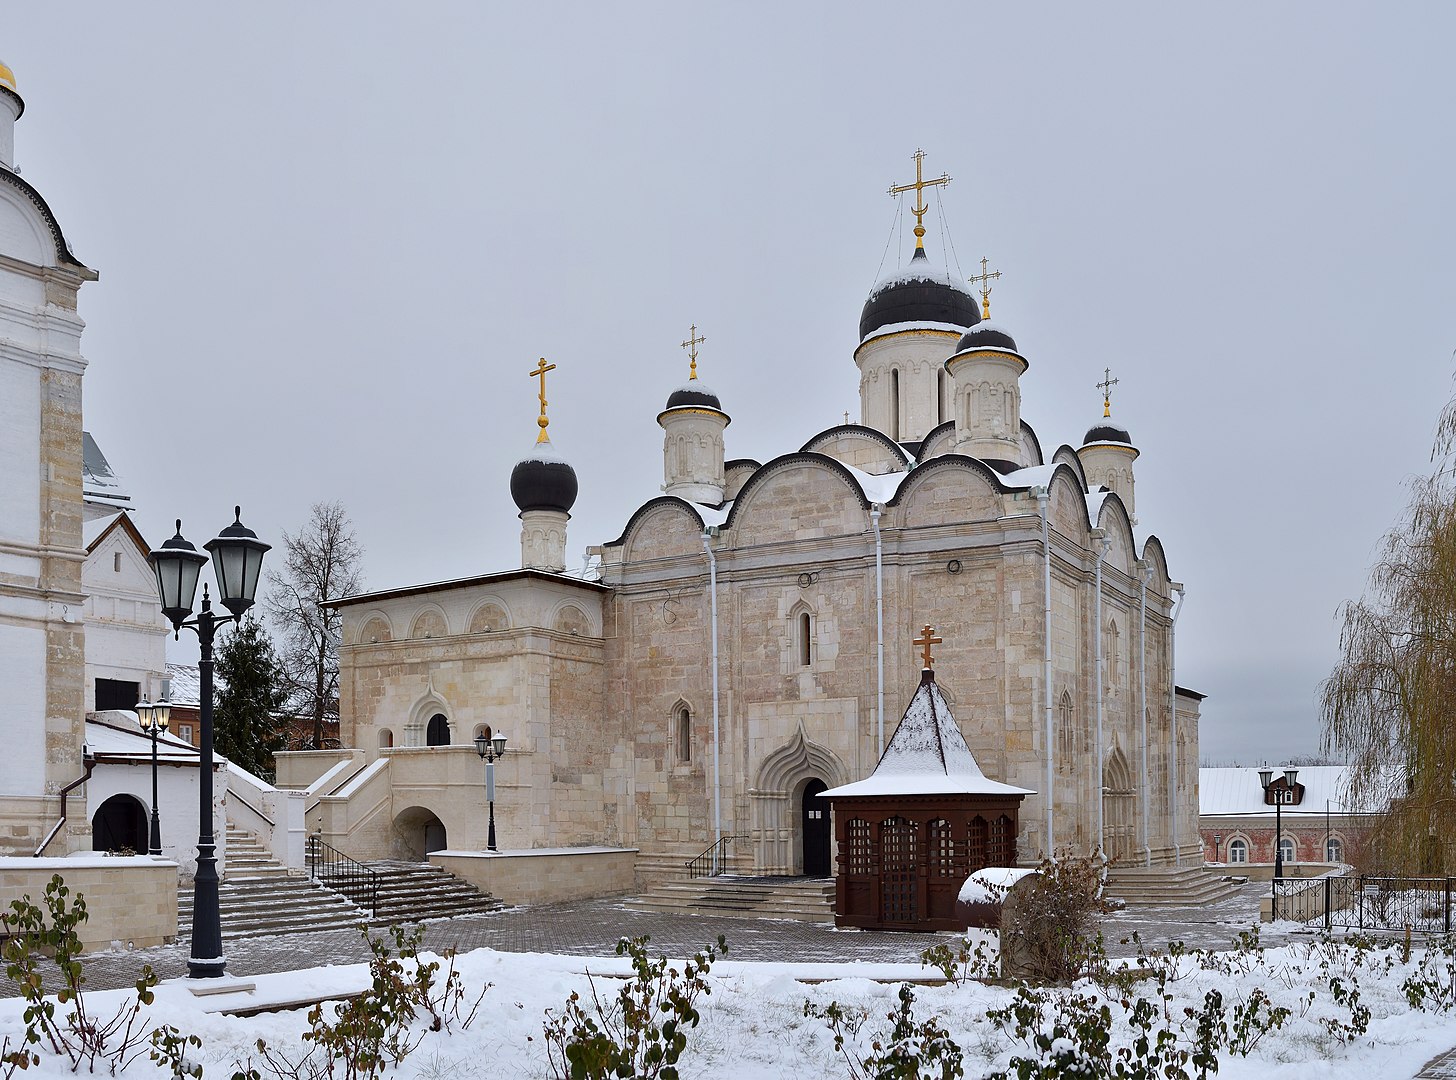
x=924 y=821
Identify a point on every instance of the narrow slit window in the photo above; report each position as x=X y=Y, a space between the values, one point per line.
x=806 y=639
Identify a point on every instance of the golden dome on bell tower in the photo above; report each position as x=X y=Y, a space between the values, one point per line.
x=7 y=76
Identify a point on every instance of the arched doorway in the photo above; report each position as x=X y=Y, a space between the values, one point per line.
x=437 y=733
x=814 y=818
x=417 y=832
x=1118 y=834
x=120 y=824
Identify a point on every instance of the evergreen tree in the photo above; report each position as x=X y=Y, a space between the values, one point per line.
x=247 y=695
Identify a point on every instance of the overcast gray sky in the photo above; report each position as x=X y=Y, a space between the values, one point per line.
x=333 y=238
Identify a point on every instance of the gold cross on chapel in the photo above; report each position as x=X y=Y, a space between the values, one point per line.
x=691 y=345
x=926 y=639
x=985 y=277
x=919 y=187
x=539 y=371
x=1106 y=385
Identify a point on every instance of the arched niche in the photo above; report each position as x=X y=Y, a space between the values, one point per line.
x=489 y=617
x=569 y=618
x=777 y=828
x=376 y=629
x=429 y=623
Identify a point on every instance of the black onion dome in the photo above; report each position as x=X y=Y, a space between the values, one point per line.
x=920 y=293
x=543 y=481
x=986 y=336
x=693 y=395
x=1107 y=432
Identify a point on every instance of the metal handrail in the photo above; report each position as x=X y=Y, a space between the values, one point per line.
x=333 y=869
x=710 y=862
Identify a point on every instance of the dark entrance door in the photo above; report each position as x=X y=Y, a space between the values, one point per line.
x=120 y=824
x=437 y=732
x=816 y=830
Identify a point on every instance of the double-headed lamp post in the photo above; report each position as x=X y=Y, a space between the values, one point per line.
x=237 y=561
x=489 y=750
x=1281 y=796
x=153 y=717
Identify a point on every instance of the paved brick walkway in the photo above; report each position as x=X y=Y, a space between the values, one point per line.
x=593 y=927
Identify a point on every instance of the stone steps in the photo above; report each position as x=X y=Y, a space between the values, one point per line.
x=796 y=898
x=1173 y=886
x=411 y=891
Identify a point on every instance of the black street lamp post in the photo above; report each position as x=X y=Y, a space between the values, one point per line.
x=1281 y=796
x=237 y=561
x=153 y=717
x=489 y=750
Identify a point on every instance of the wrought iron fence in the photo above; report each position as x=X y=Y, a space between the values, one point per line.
x=333 y=869
x=1367 y=902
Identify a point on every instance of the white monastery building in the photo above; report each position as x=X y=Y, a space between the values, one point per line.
x=735 y=650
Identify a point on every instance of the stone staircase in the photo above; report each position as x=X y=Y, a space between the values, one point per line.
x=411 y=891
x=798 y=898
x=258 y=896
x=1170 y=886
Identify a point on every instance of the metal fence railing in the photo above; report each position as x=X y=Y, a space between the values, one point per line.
x=1367 y=902
x=333 y=869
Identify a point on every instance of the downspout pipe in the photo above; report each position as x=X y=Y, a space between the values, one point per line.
x=1173 y=729
x=1144 y=572
x=1042 y=495
x=1103 y=543
x=875 y=511
x=708 y=535
x=89 y=761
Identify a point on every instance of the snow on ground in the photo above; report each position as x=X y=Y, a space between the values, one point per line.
x=753 y=1023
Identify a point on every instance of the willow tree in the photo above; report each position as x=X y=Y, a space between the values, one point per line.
x=1390 y=704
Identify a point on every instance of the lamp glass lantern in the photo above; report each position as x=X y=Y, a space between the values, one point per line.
x=178 y=565
x=237 y=559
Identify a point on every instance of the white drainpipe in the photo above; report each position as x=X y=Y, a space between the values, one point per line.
x=1103 y=544
x=1046 y=569
x=879 y=635
x=1144 y=571
x=717 y=787
x=1173 y=730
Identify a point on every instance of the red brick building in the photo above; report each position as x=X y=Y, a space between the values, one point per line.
x=1237 y=817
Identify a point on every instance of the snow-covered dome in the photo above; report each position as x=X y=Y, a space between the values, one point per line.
x=543 y=480
x=920 y=293
x=693 y=395
x=1107 y=431
x=986 y=336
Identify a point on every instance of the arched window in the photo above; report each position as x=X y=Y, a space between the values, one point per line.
x=1066 y=733
x=1286 y=849
x=1334 y=849
x=437 y=732
x=1112 y=655
x=806 y=638
x=859 y=846
x=894 y=431
x=683 y=734
x=940 y=396
x=976 y=850
x=943 y=862
x=481 y=729
x=1238 y=851
x=386 y=738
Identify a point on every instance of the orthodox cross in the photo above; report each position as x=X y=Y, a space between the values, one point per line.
x=540 y=371
x=846 y=418
x=985 y=277
x=1106 y=385
x=926 y=639
x=919 y=187
x=691 y=345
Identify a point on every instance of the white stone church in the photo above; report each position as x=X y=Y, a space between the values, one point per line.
x=745 y=643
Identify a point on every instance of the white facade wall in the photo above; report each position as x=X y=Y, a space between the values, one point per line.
x=126 y=636
x=177 y=806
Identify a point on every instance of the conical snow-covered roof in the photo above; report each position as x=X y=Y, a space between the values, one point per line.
x=927 y=755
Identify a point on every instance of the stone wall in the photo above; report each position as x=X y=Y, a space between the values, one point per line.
x=131 y=901
x=534 y=877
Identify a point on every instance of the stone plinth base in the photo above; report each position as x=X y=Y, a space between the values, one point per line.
x=544 y=875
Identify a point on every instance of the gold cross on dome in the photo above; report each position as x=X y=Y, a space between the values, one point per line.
x=919 y=187
x=539 y=371
x=1106 y=385
x=926 y=639
x=691 y=345
x=985 y=277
